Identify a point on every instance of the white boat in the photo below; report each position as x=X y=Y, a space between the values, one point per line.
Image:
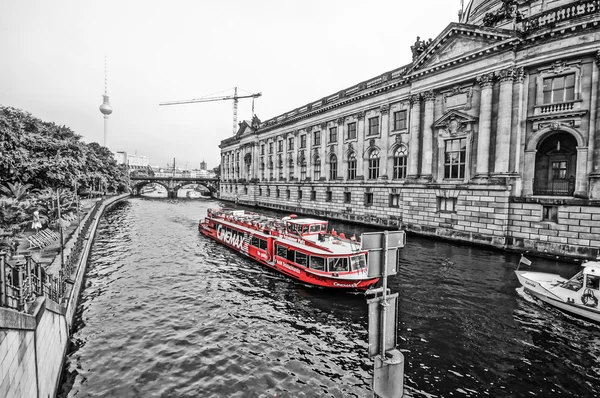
x=578 y=296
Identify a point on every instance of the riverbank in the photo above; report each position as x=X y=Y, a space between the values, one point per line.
x=40 y=293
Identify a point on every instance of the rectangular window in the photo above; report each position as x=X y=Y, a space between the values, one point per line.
x=282 y=251
x=316 y=138
x=259 y=191
x=559 y=89
x=317 y=263
x=245 y=190
x=333 y=169
x=333 y=134
x=374 y=125
x=299 y=194
x=303 y=172
x=317 y=170
x=303 y=141
x=301 y=259
x=455 y=158
x=559 y=170
x=268 y=192
x=276 y=192
x=446 y=205
x=270 y=147
x=339 y=264
x=262 y=149
x=550 y=213
x=400 y=120
x=291 y=144
x=394 y=200
x=347 y=197
x=291 y=255
x=288 y=194
x=262 y=244
x=313 y=195
x=368 y=198
x=280 y=146
x=328 y=196
x=351 y=131
x=254 y=241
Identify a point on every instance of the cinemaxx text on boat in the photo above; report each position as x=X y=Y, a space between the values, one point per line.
x=577 y=296
x=301 y=248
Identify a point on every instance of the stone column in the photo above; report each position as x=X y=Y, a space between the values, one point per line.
x=339 y=146
x=384 y=110
x=594 y=184
x=486 y=82
x=255 y=160
x=360 y=145
x=504 y=125
x=296 y=154
x=427 y=150
x=284 y=156
x=415 y=136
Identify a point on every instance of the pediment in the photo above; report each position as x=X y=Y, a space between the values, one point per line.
x=244 y=129
x=454 y=123
x=458 y=41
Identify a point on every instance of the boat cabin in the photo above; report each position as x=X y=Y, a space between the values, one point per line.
x=305 y=226
x=588 y=277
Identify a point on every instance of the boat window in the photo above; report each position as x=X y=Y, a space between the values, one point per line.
x=254 y=241
x=301 y=259
x=593 y=282
x=357 y=262
x=317 y=263
x=262 y=244
x=315 y=228
x=291 y=255
x=282 y=251
x=339 y=264
x=575 y=283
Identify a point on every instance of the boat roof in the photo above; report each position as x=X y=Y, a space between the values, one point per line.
x=306 y=221
x=591 y=268
x=333 y=245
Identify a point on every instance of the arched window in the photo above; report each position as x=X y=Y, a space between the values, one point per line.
x=291 y=167
x=317 y=168
x=352 y=166
x=374 y=164
x=332 y=167
x=400 y=157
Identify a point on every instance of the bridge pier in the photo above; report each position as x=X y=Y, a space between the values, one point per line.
x=172 y=193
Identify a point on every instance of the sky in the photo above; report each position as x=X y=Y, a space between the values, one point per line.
x=52 y=62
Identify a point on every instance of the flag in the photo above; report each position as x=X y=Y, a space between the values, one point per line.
x=525 y=260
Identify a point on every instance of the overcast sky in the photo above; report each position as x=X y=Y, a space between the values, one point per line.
x=292 y=51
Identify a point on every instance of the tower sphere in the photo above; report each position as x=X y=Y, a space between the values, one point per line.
x=105 y=108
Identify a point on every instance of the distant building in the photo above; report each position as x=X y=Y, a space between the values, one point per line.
x=132 y=161
x=491 y=134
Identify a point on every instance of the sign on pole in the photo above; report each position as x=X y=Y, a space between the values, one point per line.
x=374 y=243
x=375 y=327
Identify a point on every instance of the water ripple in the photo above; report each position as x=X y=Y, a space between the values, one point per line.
x=166 y=312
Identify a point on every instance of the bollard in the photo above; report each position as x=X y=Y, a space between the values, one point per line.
x=388 y=378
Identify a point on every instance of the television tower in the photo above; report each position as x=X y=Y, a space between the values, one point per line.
x=105 y=108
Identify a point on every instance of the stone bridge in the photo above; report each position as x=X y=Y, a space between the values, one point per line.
x=173 y=184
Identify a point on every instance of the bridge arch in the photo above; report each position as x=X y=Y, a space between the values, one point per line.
x=173 y=184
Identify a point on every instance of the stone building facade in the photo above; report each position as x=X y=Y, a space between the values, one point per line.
x=490 y=135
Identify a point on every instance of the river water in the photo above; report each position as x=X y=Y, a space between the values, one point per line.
x=166 y=312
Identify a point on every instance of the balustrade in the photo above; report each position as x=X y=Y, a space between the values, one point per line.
x=554 y=187
x=560 y=14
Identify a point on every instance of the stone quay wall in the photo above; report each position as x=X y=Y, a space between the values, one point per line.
x=33 y=344
x=486 y=215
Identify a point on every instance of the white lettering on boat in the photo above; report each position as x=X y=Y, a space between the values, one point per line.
x=286 y=265
x=227 y=237
x=345 y=284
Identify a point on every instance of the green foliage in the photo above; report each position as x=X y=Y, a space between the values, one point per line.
x=39 y=159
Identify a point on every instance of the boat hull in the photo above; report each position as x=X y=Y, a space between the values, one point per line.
x=297 y=273
x=547 y=288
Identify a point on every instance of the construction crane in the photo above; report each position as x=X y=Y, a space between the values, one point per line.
x=233 y=97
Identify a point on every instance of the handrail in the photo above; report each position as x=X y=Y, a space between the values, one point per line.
x=23 y=279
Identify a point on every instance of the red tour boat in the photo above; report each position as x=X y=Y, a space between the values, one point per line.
x=301 y=248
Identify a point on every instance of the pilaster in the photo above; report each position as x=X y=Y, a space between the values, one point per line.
x=503 y=129
x=427 y=150
x=486 y=82
x=360 y=145
x=384 y=111
x=594 y=179
x=415 y=136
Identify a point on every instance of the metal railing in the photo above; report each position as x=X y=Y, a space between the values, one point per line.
x=554 y=187
x=22 y=279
